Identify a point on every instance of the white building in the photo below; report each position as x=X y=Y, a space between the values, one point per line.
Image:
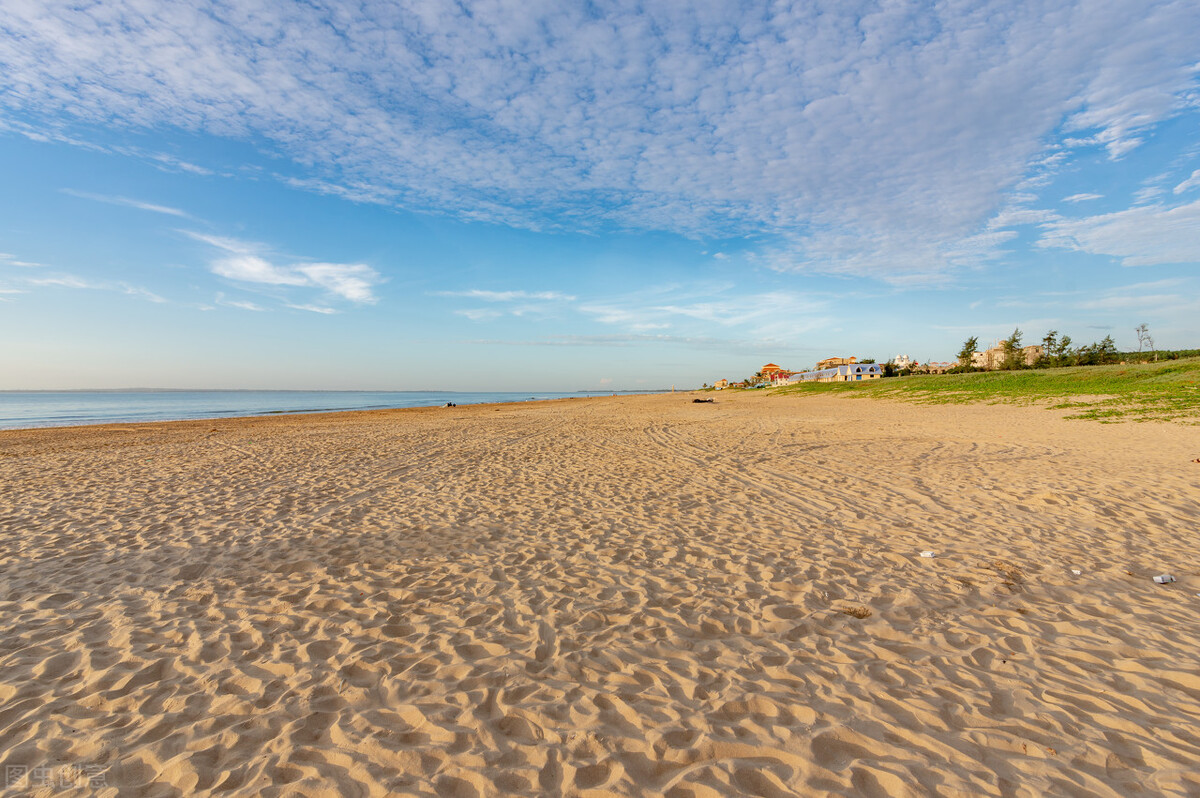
x=850 y=372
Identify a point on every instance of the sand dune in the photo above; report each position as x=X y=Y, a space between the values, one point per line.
x=629 y=595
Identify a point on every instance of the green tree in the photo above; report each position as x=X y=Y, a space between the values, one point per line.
x=1049 y=344
x=1106 y=350
x=969 y=347
x=1063 y=350
x=1011 y=346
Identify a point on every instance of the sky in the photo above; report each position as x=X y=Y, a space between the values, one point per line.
x=559 y=196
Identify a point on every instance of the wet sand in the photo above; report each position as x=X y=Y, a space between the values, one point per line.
x=628 y=595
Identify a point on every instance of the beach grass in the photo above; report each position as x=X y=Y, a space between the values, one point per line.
x=1164 y=391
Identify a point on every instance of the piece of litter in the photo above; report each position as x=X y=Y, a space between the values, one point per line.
x=1163 y=579
x=928 y=554
x=1077 y=572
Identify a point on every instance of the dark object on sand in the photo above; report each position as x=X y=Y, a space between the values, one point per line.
x=451 y=404
x=702 y=401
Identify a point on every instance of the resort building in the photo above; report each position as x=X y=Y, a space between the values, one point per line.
x=902 y=362
x=847 y=372
x=781 y=377
x=993 y=358
x=721 y=385
x=770 y=370
x=938 y=367
x=831 y=362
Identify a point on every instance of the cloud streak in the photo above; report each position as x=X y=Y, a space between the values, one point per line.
x=128 y=203
x=247 y=262
x=1145 y=235
x=868 y=138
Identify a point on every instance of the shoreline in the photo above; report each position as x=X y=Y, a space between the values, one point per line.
x=291 y=412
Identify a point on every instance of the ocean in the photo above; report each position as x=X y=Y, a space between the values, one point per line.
x=22 y=409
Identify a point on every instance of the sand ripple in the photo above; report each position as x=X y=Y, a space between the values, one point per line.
x=605 y=597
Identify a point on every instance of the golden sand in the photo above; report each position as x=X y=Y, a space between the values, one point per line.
x=629 y=595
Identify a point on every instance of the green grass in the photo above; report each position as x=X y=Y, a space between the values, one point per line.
x=1166 y=391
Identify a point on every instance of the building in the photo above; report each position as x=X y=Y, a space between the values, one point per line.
x=770 y=370
x=831 y=362
x=993 y=358
x=847 y=372
x=935 y=367
x=903 y=362
x=721 y=385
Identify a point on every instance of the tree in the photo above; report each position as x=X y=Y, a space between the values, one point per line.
x=1011 y=346
x=867 y=360
x=1106 y=350
x=1144 y=339
x=1063 y=349
x=1049 y=344
x=969 y=347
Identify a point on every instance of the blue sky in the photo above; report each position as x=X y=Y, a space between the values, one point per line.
x=549 y=196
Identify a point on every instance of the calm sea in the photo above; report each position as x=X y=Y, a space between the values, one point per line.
x=54 y=409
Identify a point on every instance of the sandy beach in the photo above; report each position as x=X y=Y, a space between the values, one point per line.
x=612 y=596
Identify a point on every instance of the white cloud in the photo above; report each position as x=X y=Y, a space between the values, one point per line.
x=246 y=261
x=887 y=135
x=143 y=293
x=1146 y=301
x=61 y=281
x=510 y=296
x=240 y=304
x=1190 y=183
x=10 y=260
x=129 y=203
x=233 y=245
x=253 y=269
x=352 y=281
x=522 y=304
x=1010 y=217
x=1083 y=197
x=314 y=309
x=776 y=316
x=1145 y=235
x=479 y=314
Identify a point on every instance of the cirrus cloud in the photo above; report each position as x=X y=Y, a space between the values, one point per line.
x=870 y=138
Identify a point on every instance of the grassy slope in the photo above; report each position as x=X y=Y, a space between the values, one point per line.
x=1169 y=390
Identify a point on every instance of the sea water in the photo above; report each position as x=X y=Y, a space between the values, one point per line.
x=19 y=409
